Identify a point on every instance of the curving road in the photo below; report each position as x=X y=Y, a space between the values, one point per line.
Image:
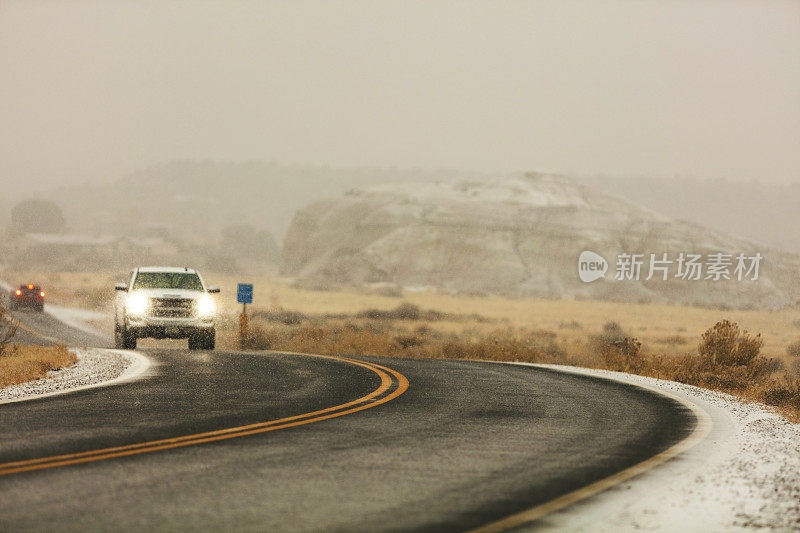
x=466 y=444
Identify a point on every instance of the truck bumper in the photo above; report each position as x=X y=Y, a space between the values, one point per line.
x=169 y=328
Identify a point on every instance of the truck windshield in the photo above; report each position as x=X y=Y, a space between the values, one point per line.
x=168 y=280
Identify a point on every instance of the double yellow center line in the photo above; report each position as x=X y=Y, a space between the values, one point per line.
x=390 y=379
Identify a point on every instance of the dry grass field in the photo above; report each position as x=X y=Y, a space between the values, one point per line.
x=584 y=333
x=19 y=364
x=670 y=330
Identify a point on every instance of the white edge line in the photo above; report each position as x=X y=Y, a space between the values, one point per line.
x=700 y=432
x=134 y=371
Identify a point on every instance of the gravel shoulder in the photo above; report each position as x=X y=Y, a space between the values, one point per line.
x=744 y=476
x=95 y=368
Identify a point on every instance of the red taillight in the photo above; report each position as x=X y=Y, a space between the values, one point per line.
x=30 y=287
x=19 y=292
x=41 y=294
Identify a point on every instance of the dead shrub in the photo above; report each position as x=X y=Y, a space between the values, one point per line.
x=544 y=335
x=432 y=315
x=629 y=347
x=730 y=378
x=259 y=339
x=375 y=314
x=423 y=330
x=794 y=369
x=407 y=311
x=496 y=347
x=784 y=393
x=793 y=349
x=404 y=311
x=603 y=344
x=408 y=341
x=672 y=339
x=726 y=345
x=8 y=329
x=281 y=316
x=623 y=355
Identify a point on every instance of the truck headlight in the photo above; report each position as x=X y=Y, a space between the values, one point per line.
x=137 y=304
x=206 y=306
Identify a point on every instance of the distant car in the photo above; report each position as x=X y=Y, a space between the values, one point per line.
x=29 y=295
x=165 y=303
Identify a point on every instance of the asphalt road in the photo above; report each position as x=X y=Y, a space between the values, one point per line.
x=466 y=444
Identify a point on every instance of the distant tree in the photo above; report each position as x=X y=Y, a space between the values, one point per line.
x=37 y=216
x=244 y=241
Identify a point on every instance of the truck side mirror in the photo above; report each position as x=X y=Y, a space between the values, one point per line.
x=213 y=289
x=121 y=287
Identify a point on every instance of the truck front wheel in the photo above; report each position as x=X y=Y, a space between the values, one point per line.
x=202 y=340
x=128 y=340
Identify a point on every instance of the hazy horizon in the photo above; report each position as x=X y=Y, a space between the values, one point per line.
x=94 y=91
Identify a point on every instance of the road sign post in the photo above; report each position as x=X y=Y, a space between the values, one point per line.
x=244 y=296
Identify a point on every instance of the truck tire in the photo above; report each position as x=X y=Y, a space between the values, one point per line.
x=128 y=340
x=117 y=338
x=202 y=340
x=194 y=341
x=210 y=340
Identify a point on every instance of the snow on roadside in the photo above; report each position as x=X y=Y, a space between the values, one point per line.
x=744 y=476
x=95 y=367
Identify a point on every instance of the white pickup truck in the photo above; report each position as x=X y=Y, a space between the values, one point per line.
x=165 y=303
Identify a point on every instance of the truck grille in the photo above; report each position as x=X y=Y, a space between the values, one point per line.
x=172 y=307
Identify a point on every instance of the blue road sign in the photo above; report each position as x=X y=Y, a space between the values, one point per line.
x=244 y=293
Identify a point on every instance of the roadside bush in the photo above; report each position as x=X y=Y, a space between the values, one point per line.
x=407 y=311
x=629 y=347
x=8 y=329
x=623 y=355
x=794 y=369
x=259 y=339
x=404 y=311
x=785 y=393
x=408 y=341
x=281 y=316
x=726 y=345
x=603 y=344
x=793 y=349
x=672 y=339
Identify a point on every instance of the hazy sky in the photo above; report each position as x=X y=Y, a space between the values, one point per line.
x=95 y=90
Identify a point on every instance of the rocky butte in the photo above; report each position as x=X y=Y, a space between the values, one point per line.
x=519 y=237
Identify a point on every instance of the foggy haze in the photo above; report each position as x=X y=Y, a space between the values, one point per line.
x=94 y=91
